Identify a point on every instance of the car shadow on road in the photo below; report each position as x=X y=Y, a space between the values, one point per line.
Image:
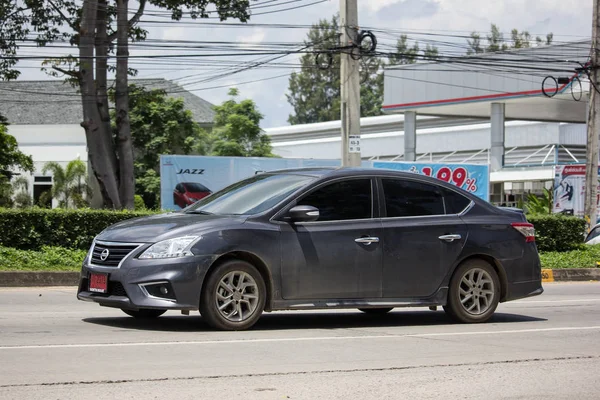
x=302 y=320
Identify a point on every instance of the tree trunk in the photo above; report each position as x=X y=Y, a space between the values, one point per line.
x=102 y=44
x=124 y=143
x=100 y=150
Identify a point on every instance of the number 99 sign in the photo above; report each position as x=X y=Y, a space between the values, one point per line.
x=457 y=176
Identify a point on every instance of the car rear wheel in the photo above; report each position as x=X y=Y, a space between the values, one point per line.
x=474 y=292
x=145 y=313
x=376 y=311
x=234 y=296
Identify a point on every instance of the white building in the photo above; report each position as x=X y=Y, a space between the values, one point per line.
x=45 y=117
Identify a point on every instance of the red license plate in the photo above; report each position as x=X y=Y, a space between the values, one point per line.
x=98 y=283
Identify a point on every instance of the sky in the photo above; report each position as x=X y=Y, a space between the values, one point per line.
x=422 y=20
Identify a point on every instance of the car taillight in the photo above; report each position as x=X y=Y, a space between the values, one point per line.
x=526 y=230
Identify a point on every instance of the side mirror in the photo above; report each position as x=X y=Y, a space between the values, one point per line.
x=303 y=214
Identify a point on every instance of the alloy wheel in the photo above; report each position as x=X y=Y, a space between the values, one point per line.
x=476 y=291
x=237 y=296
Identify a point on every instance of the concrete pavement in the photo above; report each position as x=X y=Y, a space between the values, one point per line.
x=53 y=346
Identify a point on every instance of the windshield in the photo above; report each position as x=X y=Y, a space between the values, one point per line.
x=250 y=196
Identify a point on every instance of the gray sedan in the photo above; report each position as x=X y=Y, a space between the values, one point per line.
x=313 y=239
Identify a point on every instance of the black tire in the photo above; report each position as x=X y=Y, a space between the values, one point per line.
x=454 y=307
x=376 y=311
x=209 y=299
x=145 y=313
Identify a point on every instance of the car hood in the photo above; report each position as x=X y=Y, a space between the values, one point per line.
x=166 y=226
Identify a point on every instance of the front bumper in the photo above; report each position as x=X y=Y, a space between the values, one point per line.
x=128 y=285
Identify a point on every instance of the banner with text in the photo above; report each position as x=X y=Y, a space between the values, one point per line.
x=569 y=190
x=187 y=179
x=474 y=178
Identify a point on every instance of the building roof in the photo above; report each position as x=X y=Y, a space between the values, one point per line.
x=54 y=102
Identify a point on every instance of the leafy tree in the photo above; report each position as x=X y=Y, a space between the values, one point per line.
x=159 y=125
x=11 y=159
x=10 y=156
x=548 y=41
x=99 y=29
x=496 y=42
x=314 y=93
x=406 y=54
x=237 y=130
x=69 y=184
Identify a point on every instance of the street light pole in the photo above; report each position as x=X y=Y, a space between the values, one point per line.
x=593 y=123
x=350 y=85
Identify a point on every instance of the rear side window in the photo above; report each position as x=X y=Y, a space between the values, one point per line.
x=404 y=198
x=455 y=202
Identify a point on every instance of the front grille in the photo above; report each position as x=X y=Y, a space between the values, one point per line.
x=116 y=253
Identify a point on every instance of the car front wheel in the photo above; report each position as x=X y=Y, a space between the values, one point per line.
x=234 y=296
x=474 y=292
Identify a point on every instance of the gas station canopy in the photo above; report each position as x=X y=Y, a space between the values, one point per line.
x=539 y=84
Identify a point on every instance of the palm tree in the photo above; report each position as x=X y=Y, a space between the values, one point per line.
x=69 y=183
x=536 y=205
x=21 y=187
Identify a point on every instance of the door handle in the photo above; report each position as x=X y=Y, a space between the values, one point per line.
x=367 y=240
x=450 y=238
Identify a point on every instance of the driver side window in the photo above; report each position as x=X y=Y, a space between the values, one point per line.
x=343 y=200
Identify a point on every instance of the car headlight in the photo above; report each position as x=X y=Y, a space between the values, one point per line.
x=171 y=248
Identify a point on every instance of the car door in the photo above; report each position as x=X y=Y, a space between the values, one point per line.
x=339 y=256
x=421 y=241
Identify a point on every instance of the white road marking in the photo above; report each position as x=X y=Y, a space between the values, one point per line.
x=294 y=339
x=551 y=301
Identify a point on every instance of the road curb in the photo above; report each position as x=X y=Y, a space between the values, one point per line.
x=570 y=274
x=38 y=278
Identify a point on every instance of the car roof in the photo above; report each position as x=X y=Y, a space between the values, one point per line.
x=349 y=171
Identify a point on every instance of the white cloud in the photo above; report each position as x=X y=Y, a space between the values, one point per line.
x=256 y=36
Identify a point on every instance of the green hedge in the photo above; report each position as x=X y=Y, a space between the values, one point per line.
x=558 y=233
x=34 y=228
x=585 y=257
x=47 y=259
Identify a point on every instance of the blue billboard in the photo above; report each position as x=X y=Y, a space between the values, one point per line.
x=187 y=179
x=473 y=178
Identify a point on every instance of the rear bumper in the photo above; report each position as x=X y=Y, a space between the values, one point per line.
x=522 y=290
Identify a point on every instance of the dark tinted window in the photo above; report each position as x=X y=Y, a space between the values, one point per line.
x=411 y=199
x=342 y=200
x=455 y=202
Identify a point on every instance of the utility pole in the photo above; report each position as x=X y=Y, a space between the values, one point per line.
x=350 y=82
x=593 y=123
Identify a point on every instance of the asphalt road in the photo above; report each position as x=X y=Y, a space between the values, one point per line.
x=55 y=347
